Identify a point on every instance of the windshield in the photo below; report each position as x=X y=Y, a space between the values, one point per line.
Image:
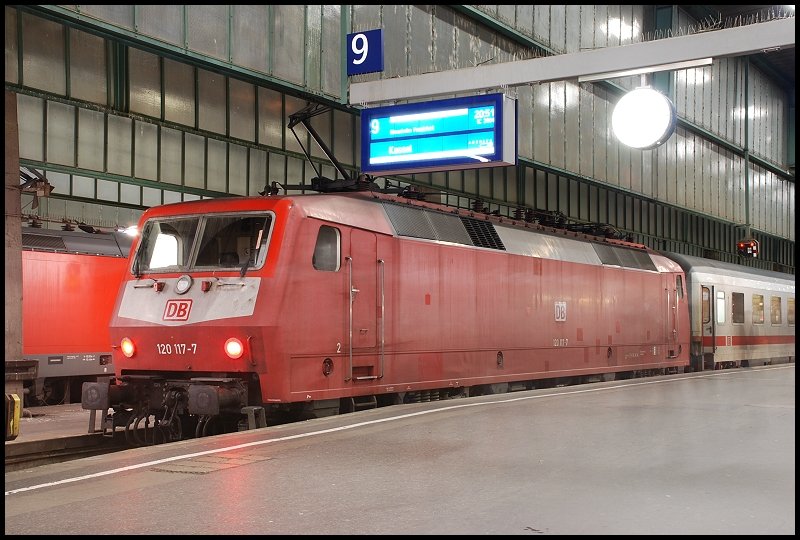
x=224 y=241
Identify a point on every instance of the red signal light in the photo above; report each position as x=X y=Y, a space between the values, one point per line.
x=747 y=248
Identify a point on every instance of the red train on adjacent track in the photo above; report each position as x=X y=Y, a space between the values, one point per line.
x=317 y=304
x=69 y=285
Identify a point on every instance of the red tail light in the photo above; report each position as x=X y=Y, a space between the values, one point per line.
x=128 y=349
x=234 y=348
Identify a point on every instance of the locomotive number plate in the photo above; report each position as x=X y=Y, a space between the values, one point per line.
x=176 y=348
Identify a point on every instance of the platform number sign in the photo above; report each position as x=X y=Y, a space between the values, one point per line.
x=561 y=311
x=364 y=52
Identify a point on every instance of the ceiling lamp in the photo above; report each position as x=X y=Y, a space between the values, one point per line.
x=643 y=118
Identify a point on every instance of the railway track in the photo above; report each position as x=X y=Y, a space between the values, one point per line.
x=43 y=446
x=30 y=454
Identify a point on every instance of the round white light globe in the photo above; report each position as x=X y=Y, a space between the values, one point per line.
x=643 y=118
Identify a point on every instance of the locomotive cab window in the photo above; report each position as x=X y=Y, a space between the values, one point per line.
x=165 y=246
x=229 y=241
x=327 y=249
x=232 y=241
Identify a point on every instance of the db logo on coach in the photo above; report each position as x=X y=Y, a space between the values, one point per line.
x=177 y=310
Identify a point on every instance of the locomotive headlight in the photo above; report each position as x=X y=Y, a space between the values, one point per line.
x=127 y=347
x=234 y=348
x=183 y=284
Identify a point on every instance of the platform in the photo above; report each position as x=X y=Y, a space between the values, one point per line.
x=703 y=453
x=53 y=421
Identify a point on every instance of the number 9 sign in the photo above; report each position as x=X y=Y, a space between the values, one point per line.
x=364 y=52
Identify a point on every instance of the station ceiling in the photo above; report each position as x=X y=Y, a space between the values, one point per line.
x=778 y=64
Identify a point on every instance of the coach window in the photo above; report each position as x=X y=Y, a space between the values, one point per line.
x=720 y=308
x=326 y=252
x=737 y=308
x=706 y=305
x=790 y=311
x=775 y=310
x=758 y=309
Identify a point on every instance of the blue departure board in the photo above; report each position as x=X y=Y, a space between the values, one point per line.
x=451 y=134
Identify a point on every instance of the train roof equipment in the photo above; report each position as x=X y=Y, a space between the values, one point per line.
x=112 y=244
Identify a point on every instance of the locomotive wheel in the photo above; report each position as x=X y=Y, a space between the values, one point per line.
x=54 y=392
x=209 y=425
x=142 y=432
x=188 y=425
x=326 y=407
x=346 y=405
x=213 y=426
x=497 y=388
x=390 y=399
x=172 y=431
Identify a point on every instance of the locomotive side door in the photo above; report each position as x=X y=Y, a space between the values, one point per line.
x=674 y=294
x=362 y=266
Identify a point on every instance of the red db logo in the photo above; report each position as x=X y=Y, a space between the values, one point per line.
x=177 y=310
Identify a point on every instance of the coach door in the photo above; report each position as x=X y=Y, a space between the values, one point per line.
x=708 y=327
x=363 y=271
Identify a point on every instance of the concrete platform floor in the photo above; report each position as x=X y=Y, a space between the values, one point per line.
x=704 y=453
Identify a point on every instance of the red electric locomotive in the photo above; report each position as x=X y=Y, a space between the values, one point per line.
x=322 y=303
x=69 y=283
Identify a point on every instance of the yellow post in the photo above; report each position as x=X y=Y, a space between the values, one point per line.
x=13 y=414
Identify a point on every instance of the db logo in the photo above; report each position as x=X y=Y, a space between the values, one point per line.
x=177 y=310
